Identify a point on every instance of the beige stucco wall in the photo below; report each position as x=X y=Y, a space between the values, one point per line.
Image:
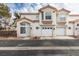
x=36 y=32
x=71 y=18
x=74 y=25
x=32 y=17
x=70 y=31
x=76 y=31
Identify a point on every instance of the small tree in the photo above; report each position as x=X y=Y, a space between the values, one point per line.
x=17 y=16
x=5 y=14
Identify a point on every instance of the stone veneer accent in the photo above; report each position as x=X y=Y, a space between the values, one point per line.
x=47 y=22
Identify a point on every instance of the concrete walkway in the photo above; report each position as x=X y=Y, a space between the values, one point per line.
x=41 y=48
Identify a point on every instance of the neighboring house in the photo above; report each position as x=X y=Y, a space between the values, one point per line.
x=48 y=22
x=76 y=27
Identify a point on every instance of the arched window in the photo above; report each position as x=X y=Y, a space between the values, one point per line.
x=23 y=27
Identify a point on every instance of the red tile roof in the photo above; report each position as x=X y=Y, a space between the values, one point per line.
x=28 y=20
x=64 y=10
x=48 y=6
x=74 y=15
x=29 y=13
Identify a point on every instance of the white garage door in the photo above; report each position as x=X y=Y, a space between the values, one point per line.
x=47 y=31
x=60 y=31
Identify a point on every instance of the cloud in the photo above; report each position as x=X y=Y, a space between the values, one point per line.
x=33 y=7
x=73 y=7
x=22 y=7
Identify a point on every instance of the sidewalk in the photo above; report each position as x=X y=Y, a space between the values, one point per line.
x=42 y=48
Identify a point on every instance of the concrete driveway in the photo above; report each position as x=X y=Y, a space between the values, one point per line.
x=54 y=37
x=64 y=37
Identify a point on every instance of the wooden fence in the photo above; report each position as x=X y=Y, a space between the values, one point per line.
x=8 y=33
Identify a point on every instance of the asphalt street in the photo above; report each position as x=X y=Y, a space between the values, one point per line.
x=39 y=47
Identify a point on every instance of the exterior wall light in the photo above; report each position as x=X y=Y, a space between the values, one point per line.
x=30 y=27
x=37 y=27
x=53 y=28
x=69 y=27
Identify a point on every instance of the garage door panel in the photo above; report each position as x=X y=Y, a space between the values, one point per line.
x=60 y=31
x=47 y=32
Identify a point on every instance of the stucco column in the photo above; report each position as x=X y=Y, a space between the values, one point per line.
x=66 y=25
x=54 y=23
x=18 y=30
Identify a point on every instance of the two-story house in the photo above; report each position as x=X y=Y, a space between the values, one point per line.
x=47 y=23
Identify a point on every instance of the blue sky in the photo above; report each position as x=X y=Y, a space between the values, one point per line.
x=22 y=6
x=29 y=7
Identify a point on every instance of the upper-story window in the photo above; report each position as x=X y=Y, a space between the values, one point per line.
x=37 y=17
x=48 y=15
x=62 y=17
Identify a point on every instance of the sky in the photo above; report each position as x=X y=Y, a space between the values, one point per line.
x=33 y=7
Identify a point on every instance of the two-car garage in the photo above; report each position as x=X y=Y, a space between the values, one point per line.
x=49 y=31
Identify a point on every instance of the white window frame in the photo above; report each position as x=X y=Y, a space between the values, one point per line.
x=26 y=25
x=50 y=14
x=62 y=17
